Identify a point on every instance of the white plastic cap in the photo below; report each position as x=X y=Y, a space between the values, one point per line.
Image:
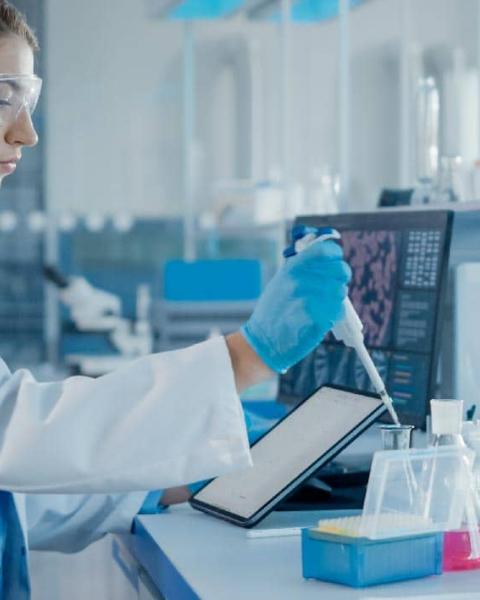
x=350 y=329
x=447 y=416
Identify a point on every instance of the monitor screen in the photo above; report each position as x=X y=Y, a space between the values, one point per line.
x=399 y=265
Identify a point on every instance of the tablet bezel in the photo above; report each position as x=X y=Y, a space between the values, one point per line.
x=322 y=460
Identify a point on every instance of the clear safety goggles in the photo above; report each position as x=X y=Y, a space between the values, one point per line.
x=17 y=93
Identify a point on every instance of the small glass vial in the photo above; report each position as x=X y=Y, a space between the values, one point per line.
x=447 y=420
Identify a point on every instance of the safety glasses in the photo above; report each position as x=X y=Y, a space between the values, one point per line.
x=17 y=93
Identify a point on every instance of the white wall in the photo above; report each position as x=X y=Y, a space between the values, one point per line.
x=114 y=99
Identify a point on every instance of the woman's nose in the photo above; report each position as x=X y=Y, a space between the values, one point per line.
x=21 y=131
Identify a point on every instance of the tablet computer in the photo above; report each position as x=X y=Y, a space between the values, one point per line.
x=298 y=445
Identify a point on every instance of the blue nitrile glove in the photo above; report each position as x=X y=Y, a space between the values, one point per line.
x=299 y=306
x=152 y=505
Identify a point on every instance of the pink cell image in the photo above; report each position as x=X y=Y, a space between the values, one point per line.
x=373 y=257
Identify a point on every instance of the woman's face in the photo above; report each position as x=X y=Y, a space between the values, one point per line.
x=16 y=129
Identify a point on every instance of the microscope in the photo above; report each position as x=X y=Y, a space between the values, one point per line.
x=98 y=311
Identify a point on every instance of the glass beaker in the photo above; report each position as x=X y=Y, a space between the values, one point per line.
x=396 y=437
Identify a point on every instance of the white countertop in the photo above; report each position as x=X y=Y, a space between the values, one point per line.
x=217 y=561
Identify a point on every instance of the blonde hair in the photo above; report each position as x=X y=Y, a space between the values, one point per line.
x=13 y=22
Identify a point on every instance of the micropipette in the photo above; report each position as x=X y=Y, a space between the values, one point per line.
x=350 y=329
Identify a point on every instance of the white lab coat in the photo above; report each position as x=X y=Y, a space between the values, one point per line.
x=164 y=420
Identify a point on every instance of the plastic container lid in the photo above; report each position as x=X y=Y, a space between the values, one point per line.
x=447 y=417
x=471 y=435
x=416 y=491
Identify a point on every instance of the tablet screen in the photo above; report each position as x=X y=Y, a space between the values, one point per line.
x=318 y=428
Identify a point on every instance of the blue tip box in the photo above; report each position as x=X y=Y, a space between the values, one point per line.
x=360 y=562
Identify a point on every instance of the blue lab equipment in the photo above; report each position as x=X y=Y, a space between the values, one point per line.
x=360 y=562
x=204 y=297
x=299 y=306
x=212 y=280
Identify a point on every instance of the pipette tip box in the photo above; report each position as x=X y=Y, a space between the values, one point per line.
x=361 y=562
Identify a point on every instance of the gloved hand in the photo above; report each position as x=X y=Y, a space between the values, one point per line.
x=299 y=305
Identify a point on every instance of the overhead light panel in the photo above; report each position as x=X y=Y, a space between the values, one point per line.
x=301 y=10
x=317 y=10
x=193 y=9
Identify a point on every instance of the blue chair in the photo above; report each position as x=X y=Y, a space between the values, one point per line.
x=205 y=297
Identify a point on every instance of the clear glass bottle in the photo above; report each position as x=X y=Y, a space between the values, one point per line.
x=427 y=113
x=323 y=198
x=446 y=422
x=461 y=547
x=447 y=189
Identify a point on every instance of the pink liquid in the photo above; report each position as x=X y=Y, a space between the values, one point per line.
x=456 y=552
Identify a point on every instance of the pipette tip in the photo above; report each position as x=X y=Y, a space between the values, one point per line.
x=389 y=404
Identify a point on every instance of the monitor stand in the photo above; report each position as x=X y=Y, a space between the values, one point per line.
x=340 y=485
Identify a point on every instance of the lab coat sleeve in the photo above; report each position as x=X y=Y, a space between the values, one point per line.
x=70 y=522
x=164 y=420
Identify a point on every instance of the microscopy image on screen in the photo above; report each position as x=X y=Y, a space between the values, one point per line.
x=399 y=263
x=360 y=379
x=374 y=258
x=339 y=361
x=299 y=381
x=329 y=363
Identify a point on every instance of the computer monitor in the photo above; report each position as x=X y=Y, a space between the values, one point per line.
x=399 y=265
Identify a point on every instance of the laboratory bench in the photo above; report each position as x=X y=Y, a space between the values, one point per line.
x=183 y=554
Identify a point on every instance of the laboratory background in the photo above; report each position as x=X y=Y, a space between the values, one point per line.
x=180 y=140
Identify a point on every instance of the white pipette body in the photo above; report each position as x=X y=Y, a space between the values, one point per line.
x=350 y=331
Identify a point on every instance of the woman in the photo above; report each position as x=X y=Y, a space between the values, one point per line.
x=165 y=419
